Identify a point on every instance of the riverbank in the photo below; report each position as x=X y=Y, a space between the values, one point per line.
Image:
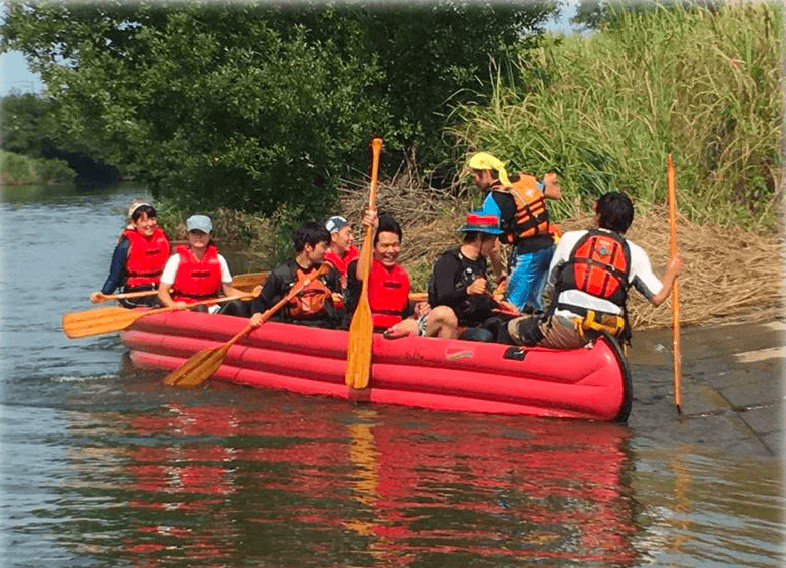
x=731 y=275
x=16 y=169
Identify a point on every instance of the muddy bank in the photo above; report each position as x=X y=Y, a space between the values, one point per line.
x=732 y=388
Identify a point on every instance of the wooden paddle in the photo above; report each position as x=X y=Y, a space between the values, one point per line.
x=247 y=282
x=107 y=320
x=675 y=292
x=125 y=295
x=242 y=282
x=361 y=328
x=204 y=363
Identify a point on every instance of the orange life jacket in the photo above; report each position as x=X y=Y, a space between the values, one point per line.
x=388 y=294
x=312 y=299
x=599 y=265
x=146 y=257
x=196 y=279
x=531 y=217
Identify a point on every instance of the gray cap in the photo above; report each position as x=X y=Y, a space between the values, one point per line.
x=199 y=223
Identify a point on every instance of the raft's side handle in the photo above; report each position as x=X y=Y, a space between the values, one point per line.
x=515 y=353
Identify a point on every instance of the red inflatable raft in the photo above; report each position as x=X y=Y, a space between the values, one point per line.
x=441 y=374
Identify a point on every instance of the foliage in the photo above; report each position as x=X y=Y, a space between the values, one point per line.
x=25 y=122
x=259 y=106
x=595 y=14
x=703 y=86
x=18 y=169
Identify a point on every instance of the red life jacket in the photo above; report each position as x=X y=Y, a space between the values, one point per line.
x=146 y=257
x=312 y=299
x=599 y=265
x=340 y=263
x=388 y=294
x=195 y=279
x=531 y=218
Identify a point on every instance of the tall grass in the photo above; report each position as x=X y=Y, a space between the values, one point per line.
x=604 y=111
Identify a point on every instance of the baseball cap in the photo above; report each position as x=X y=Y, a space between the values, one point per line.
x=199 y=223
x=335 y=224
x=482 y=222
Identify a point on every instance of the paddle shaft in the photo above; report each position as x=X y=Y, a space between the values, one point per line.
x=675 y=293
x=241 y=281
x=361 y=328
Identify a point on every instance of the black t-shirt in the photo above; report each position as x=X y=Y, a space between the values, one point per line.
x=452 y=273
x=280 y=282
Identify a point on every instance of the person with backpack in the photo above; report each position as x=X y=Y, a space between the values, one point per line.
x=520 y=203
x=589 y=279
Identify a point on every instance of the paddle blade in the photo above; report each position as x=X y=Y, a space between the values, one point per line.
x=97 y=321
x=359 y=349
x=247 y=282
x=198 y=367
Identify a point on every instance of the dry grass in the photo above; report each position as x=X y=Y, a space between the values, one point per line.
x=730 y=275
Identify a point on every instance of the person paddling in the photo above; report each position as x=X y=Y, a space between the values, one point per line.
x=139 y=258
x=316 y=305
x=590 y=275
x=389 y=286
x=520 y=202
x=197 y=272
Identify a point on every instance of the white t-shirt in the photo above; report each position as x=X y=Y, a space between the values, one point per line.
x=170 y=269
x=640 y=276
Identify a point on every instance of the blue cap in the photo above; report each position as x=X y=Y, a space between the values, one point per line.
x=199 y=223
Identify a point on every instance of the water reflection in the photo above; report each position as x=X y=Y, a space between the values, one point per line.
x=218 y=485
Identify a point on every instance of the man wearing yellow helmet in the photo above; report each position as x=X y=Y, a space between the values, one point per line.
x=519 y=202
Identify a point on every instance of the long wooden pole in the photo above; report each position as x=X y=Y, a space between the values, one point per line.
x=675 y=293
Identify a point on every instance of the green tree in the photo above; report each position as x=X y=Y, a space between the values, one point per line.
x=257 y=106
x=25 y=123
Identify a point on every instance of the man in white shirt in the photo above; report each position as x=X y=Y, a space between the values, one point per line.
x=589 y=278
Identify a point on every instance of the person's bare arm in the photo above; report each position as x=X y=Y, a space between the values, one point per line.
x=166 y=298
x=551 y=190
x=673 y=269
x=370 y=219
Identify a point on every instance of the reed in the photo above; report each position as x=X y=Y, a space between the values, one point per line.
x=604 y=111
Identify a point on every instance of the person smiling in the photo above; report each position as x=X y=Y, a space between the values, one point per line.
x=389 y=286
x=341 y=250
x=316 y=304
x=139 y=258
x=198 y=272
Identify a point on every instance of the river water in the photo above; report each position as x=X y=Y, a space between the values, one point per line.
x=102 y=466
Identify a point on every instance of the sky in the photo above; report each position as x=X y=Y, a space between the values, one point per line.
x=16 y=77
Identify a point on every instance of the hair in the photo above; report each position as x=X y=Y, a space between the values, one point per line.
x=143 y=210
x=310 y=233
x=388 y=224
x=615 y=212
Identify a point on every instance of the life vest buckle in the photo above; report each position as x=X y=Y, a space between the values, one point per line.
x=610 y=323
